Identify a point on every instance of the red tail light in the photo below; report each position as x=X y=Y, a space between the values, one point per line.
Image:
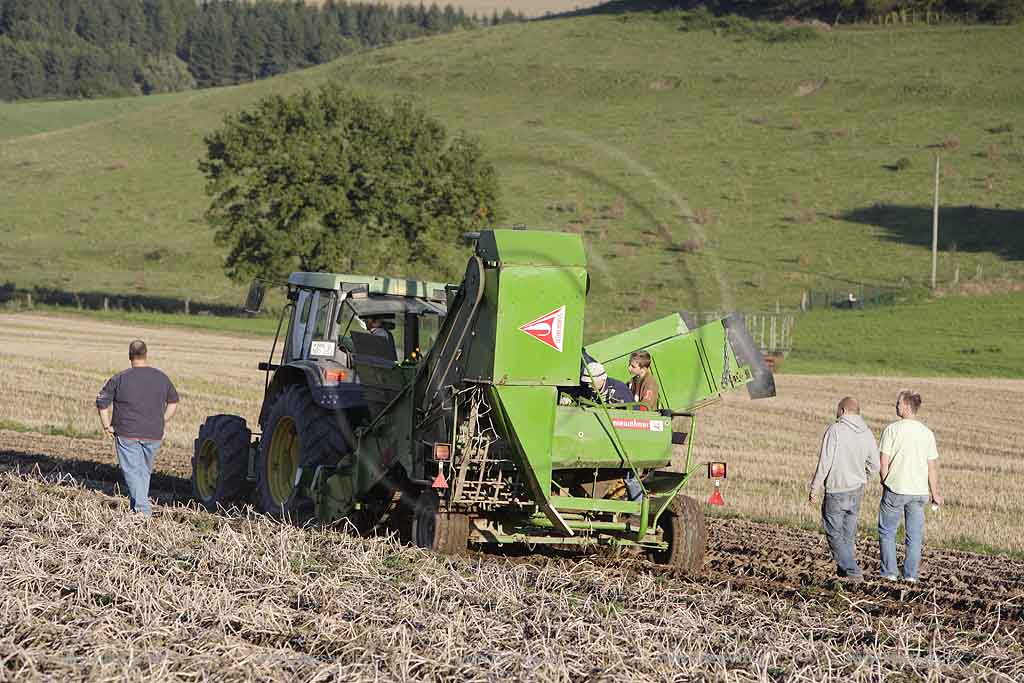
x=442 y=451
x=717 y=470
x=332 y=375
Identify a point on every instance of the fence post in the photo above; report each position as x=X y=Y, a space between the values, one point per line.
x=935 y=223
x=186 y=307
x=28 y=299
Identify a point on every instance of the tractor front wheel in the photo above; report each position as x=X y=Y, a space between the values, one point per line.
x=297 y=434
x=438 y=530
x=220 y=461
x=683 y=528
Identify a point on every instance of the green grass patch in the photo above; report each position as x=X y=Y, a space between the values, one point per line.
x=701 y=19
x=972 y=546
x=704 y=172
x=36 y=117
x=261 y=326
x=961 y=336
x=68 y=429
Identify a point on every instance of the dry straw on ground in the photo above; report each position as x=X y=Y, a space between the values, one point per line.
x=89 y=594
x=54 y=366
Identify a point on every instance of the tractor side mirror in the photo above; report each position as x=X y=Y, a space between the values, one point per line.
x=254 y=299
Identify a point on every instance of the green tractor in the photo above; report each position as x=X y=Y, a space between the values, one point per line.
x=455 y=415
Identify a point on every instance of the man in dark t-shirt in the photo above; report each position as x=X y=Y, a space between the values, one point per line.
x=143 y=399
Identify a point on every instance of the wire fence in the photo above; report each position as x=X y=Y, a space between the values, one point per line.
x=771 y=332
x=853 y=296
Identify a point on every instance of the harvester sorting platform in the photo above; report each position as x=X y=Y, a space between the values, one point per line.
x=441 y=418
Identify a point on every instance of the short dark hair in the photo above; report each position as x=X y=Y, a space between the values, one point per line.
x=911 y=398
x=137 y=349
x=642 y=358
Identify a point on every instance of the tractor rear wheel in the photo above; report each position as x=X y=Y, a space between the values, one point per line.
x=438 y=530
x=298 y=433
x=683 y=527
x=220 y=461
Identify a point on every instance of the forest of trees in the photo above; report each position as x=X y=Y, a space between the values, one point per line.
x=96 y=48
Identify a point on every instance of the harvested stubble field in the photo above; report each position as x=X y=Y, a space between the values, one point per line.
x=84 y=593
x=53 y=367
x=87 y=594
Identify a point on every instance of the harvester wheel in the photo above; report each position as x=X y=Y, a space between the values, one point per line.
x=297 y=433
x=437 y=530
x=683 y=527
x=220 y=461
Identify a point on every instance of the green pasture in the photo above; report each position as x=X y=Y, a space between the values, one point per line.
x=704 y=171
x=955 y=336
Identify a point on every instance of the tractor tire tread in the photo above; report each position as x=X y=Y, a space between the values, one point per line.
x=232 y=437
x=451 y=529
x=321 y=438
x=686 y=533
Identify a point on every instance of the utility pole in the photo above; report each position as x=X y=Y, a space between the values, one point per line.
x=935 y=223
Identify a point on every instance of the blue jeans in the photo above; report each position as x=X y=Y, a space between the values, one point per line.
x=634 y=491
x=839 y=512
x=892 y=511
x=136 y=456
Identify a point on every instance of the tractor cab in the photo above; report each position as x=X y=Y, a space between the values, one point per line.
x=408 y=326
x=333 y=320
x=327 y=310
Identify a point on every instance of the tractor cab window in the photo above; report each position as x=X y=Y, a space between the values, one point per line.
x=310 y=322
x=299 y=323
x=322 y=324
x=430 y=326
x=408 y=323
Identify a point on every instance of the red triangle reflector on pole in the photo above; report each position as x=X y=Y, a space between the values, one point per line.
x=439 y=481
x=716 y=496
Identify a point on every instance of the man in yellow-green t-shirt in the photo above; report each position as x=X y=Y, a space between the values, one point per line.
x=910 y=477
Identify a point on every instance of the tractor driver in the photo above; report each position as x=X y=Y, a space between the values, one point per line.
x=378 y=328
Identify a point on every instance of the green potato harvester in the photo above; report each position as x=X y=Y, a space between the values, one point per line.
x=454 y=414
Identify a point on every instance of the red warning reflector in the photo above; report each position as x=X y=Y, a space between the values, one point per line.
x=549 y=328
x=717 y=470
x=332 y=375
x=439 y=481
x=716 y=496
x=442 y=451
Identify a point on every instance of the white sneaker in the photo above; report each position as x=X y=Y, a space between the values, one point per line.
x=910 y=580
x=890 y=577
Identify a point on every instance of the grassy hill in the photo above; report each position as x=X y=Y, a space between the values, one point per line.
x=704 y=171
x=960 y=336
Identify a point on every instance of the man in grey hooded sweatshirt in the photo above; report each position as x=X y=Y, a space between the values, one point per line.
x=848 y=453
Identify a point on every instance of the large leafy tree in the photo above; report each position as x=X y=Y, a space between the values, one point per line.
x=325 y=180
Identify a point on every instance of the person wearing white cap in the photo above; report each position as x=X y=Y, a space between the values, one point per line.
x=608 y=388
x=611 y=390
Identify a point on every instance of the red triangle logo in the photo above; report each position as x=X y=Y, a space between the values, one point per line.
x=549 y=328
